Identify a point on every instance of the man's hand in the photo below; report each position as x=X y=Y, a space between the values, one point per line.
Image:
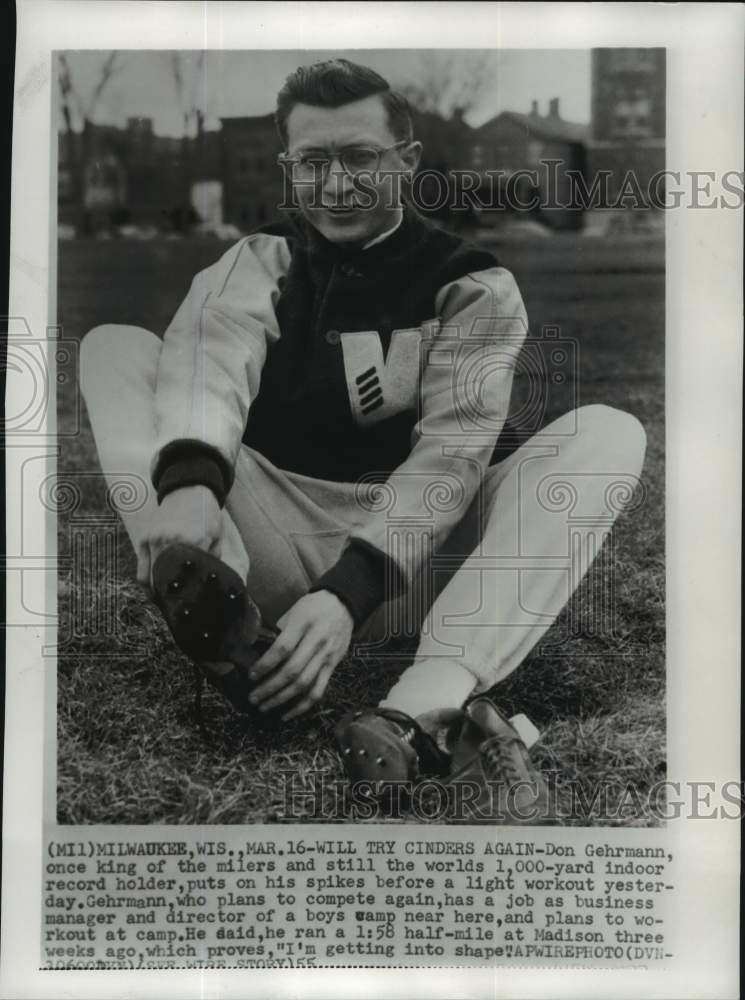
x=315 y=635
x=191 y=515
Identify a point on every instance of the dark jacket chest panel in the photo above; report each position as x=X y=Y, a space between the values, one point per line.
x=302 y=419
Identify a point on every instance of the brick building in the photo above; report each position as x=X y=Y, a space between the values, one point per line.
x=108 y=175
x=628 y=115
x=252 y=179
x=518 y=147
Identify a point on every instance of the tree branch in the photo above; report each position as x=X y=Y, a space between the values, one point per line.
x=107 y=71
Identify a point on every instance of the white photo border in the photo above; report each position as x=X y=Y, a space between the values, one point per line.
x=703 y=378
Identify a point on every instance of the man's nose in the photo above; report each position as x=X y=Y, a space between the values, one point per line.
x=336 y=180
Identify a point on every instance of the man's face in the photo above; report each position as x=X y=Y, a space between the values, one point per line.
x=341 y=211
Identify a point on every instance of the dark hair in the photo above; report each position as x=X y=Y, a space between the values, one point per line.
x=337 y=82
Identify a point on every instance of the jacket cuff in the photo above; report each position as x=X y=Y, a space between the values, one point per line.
x=189 y=462
x=362 y=579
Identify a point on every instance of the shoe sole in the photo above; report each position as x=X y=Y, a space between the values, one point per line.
x=214 y=621
x=372 y=752
x=204 y=603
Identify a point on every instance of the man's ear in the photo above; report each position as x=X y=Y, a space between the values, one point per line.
x=411 y=155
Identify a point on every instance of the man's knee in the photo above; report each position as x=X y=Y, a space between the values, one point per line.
x=615 y=435
x=112 y=348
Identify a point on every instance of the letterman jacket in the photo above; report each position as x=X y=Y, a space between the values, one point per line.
x=388 y=365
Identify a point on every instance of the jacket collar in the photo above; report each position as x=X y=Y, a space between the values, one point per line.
x=384 y=236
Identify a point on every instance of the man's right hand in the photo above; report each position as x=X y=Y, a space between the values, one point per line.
x=190 y=515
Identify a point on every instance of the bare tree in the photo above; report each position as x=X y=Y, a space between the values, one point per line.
x=187 y=73
x=70 y=103
x=109 y=69
x=186 y=79
x=76 y=110
x=450 y=83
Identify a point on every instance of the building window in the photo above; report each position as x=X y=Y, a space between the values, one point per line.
x=632 y=60
x=534 y=151
x=633 y=118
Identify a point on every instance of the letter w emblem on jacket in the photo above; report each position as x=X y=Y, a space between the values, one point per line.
x=380 y=387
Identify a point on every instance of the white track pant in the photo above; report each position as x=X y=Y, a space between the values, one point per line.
x=484 y=600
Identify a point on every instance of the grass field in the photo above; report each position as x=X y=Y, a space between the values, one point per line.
x=129 y=749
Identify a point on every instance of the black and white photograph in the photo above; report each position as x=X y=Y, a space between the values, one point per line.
x=373 y=454
x=360 y=488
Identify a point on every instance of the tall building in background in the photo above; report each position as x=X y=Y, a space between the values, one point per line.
x=628 y=115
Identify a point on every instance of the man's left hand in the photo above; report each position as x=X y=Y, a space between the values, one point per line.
x=315 y=635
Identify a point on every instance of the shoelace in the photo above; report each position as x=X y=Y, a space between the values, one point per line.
x=408 y=735
x=198 y=710
x=499 y=760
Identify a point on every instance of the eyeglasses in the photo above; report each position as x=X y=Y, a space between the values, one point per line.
x=313 y=164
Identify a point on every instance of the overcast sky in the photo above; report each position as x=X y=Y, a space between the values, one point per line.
x=246 y=83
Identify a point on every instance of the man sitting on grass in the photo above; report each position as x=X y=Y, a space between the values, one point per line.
x=320 y=425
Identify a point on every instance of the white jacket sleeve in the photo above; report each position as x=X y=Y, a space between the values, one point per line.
x=465 y=388
x=211 y=361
